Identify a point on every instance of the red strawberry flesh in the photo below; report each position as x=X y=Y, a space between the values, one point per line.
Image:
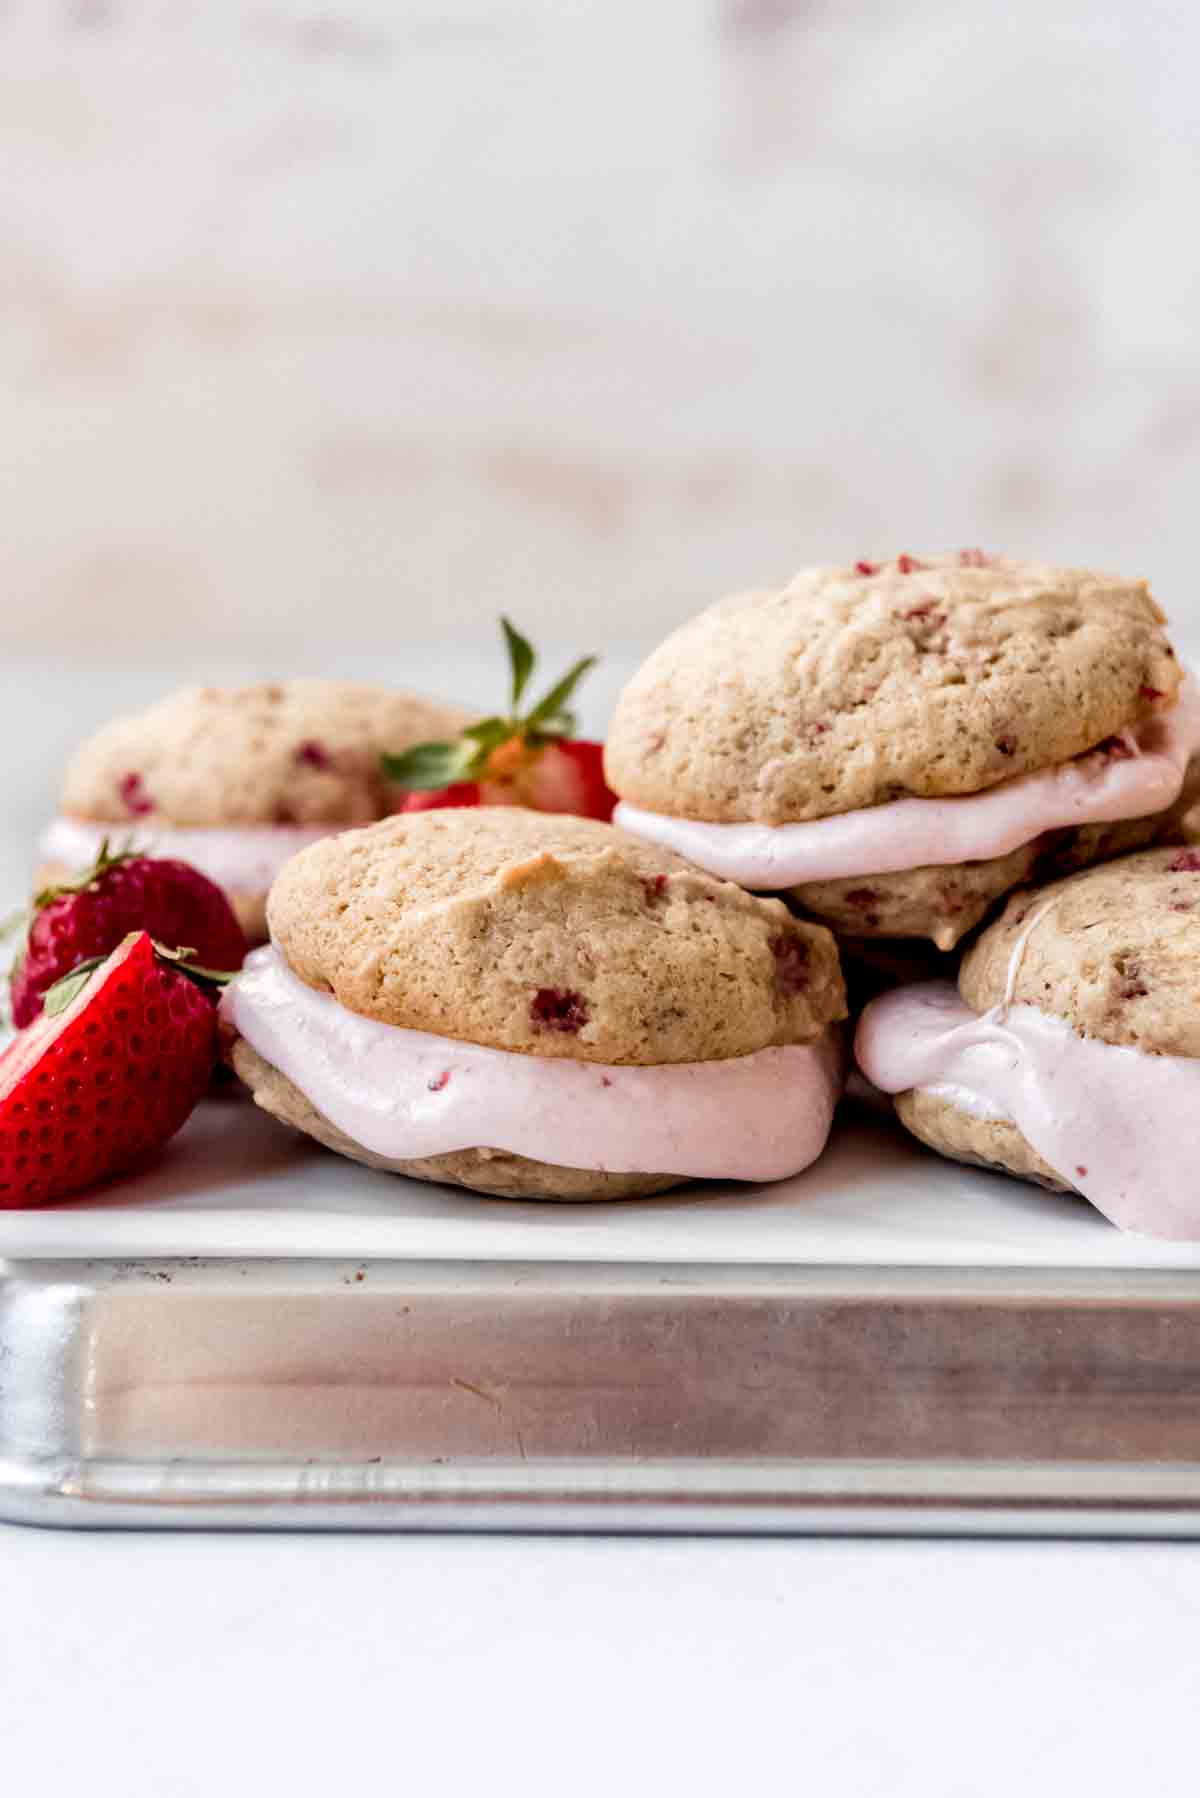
x=462 y=793
x=563 y=776
x=87 y=1093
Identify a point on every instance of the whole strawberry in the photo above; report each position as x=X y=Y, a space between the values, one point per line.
x=89 y=916
x=534 y=760
x=112 y=1067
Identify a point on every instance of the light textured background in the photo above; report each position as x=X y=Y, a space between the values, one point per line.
x=329 y=330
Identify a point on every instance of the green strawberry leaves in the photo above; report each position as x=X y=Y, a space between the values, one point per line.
x=550 y=717
x=60 y=995
x=522 y=660
x=182 y=960
x=430 y=766
x=105 y=860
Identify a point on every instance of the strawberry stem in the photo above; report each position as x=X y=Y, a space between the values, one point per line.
x=427 y=767
x=103 y=862
x=522 y=659
x=182 y=959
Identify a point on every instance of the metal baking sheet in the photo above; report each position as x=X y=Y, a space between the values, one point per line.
x=495 y=1395
x=258 y=1334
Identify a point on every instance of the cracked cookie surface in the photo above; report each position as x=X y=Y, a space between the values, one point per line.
x=856 y=685
x=293 y=752
x=550 y=935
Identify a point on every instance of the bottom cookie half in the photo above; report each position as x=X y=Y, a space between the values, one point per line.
x=945 y=904
x=984 y=1142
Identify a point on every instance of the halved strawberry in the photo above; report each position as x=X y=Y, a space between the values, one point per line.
x=109 y=1071
x=533 y=760
x=84 y=918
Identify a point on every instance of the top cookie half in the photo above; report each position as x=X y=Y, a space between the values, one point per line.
x=1114 y=950
x=924 y=678
x=550 y=935
x=293 y=752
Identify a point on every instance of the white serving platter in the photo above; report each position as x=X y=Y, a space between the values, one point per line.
x=236 y=1184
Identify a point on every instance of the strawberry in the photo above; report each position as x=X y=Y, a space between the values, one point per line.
x=112 y=1067
x=533 y=760
x=89 y=916
x=463 y=792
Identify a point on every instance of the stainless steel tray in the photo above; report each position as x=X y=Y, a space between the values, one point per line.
x=505 y=1394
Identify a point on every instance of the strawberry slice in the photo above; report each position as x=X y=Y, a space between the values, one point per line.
x=534 y=760
x=109 y=1071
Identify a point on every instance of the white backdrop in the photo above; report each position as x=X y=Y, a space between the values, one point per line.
x=331 y=328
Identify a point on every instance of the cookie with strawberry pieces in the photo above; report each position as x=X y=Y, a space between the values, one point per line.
x=1068 y=1051
x=897 y=745
x=537 y=1006
x=235 y=780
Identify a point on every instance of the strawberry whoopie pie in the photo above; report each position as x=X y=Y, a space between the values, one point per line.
x=537 y=1006
x=235 y=780
x=897 y=745
x=1069 y=1052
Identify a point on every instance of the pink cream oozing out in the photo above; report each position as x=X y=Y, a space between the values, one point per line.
x=407 y=1094
x=1120 y=1125
x=1145 y=776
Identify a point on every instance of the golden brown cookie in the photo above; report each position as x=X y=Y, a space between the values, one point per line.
x=544 y=937
x=922 y=678
x=453 y=921
x=854 y=687
x=235 y=780
x=294 y=752
x=1114 y=951
x=1113 y=954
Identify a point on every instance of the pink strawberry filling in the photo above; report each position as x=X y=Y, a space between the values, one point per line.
x=1121 y=1125
x=406 y=1094
x=1145 y=776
